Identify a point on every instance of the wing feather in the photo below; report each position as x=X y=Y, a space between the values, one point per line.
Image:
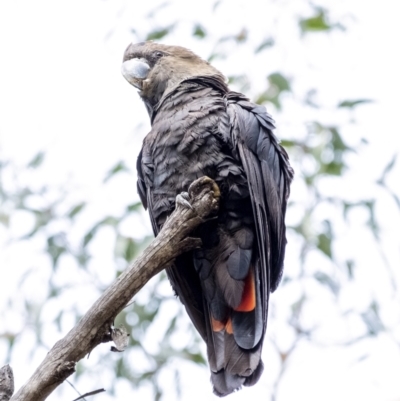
x=269 y=175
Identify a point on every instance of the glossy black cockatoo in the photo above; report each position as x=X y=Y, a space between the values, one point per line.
x=201 y=128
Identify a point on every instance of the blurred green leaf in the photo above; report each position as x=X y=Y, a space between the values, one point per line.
x=4 y=219
x=171 y=326
x=287 y=143
x=160 y=33
x=37 y=160
x=242 y=36
x=75 y=210
x=58 y=318
x=265 y=44
x=216 y=4
x=325 y=279
x=158 y=7
x=109 y=220
x=42 y=218
x=199 y=31
x=310 y=98
x=296 y=308
x=242 y=81
x=216 y=56
x=279 y=81
x=316 y=23
x=350 y=268
x=324 y=243
x=134 y=207
x=126 y=247
x=196 y=358
x=119 y=167
x=336 y=140
x=388 y=168
x=372 y=319
x=353 y=103
x=372 y=223
x=277 y=85
x=56 y=246
x=89 y=236
x=332 y=168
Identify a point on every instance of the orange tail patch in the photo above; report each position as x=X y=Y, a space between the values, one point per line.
x=228 y=326
x=248 y=302
x=217 y=325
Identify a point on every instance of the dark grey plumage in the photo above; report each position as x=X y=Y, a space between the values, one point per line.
x=200 y=127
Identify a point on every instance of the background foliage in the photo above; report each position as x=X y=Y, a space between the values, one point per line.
x=62 y=249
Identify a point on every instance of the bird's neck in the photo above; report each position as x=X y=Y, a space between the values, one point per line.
x=216 y=82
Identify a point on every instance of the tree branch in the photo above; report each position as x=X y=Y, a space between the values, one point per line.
x=95 y=325
x=6 y=383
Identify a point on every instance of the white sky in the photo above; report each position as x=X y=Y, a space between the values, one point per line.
x=60 y=85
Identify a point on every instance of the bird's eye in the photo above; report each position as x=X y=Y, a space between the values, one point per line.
x=158 y=54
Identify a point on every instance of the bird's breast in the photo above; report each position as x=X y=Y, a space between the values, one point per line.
x=185 y=143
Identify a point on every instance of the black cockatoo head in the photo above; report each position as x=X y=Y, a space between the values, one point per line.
x=157 y=69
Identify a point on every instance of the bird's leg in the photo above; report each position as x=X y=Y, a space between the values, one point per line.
x=183 y=199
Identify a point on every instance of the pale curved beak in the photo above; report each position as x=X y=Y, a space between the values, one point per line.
x=135 y=71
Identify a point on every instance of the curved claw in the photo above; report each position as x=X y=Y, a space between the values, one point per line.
x=183 y=200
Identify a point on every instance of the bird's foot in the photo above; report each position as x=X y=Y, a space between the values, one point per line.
x=183 y=199
x=204 y=185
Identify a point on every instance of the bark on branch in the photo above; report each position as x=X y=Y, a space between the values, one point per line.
x=6 y=383
x=95 y=325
